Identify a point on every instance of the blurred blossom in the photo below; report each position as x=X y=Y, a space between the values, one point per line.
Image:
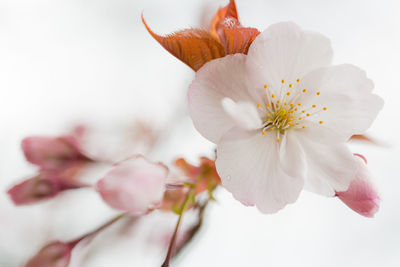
x=47 y=184
x=362 y=196
x=52 y=152
x=134 y=185
x=55 y=254
x=117 y=142
x=281 y=115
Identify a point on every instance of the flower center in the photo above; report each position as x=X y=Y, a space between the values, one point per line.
x=284 y=111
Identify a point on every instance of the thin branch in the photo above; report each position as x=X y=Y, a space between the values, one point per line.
x=173 y=239
x=74 y=242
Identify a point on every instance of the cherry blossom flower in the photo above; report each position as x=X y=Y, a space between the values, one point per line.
x=361 y=196
x=281 y=115
x=134 y=185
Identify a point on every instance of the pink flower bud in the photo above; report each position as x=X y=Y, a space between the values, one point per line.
x=361 y=196
x=47 y=184
x=52 y=152
x=55 y=254
x=133 y=185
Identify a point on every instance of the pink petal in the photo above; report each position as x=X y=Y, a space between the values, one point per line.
x=133 y=185
x=362 y=196
x=52 y=152
x=56 y=254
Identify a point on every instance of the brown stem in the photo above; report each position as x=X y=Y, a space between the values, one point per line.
x=74 y=242
x=173 y=239
x=194 y=230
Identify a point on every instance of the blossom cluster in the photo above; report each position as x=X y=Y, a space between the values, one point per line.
x=279 y=113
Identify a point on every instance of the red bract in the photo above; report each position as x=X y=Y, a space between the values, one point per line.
x=198 y=179
x=195 y=47
x=55 y=254
x=362 y=196
x=52 y=152
x=204 y=176
x=45 y=185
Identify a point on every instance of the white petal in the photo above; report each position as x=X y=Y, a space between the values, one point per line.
x=285 y=51
x=243 y=114
x=330 y=164
x=220 y=78
x=346 y=93
x=258 y=170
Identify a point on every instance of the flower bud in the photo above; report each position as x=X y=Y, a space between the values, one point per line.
x=45 y=185
x=361 y=196
x=52 y=152
x=55 y=254
x=133 y=185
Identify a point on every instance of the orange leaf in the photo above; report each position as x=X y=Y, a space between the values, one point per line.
x=227 y=29
x=229 y=11
x=238 y=40
x=194 y=47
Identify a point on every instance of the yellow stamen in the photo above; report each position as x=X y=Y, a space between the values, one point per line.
x=314 y=106
x=308 y=114
x=283 y=81
x=304 y=90
x=265 y=86
x=282 y=112
x=288 y=93
x=321 y=122
x=298 y=80
x=273 y=96
x=324 y=108
x=264 y=133
x=258 y=105
x=303 y=127
x=290 y=85
x=278 y=140
x=318 y=93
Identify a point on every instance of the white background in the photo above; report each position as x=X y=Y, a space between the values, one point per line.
x=65 y=62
